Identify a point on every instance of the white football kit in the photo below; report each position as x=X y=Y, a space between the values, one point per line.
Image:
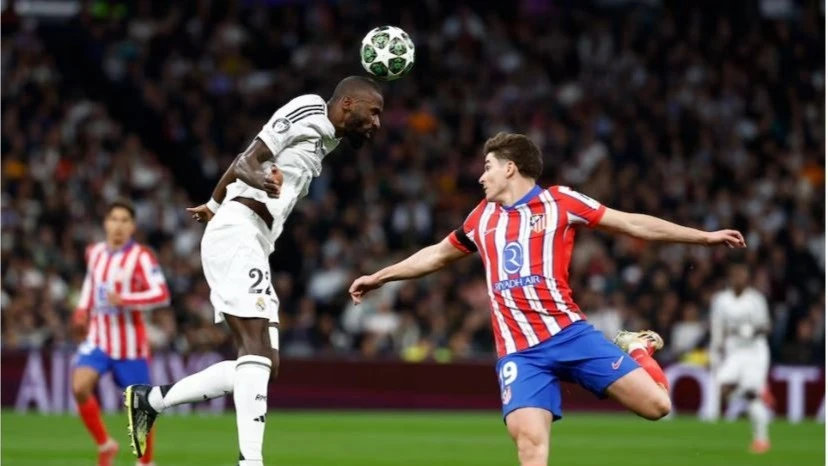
x=735 y=324
x=237 y=242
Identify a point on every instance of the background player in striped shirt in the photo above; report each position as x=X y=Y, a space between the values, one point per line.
x=525 y=236
x=123 y=280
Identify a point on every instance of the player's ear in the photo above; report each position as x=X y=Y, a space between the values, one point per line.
x=346 y=102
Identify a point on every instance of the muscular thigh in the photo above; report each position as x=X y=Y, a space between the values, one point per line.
x=754 y=373
x=733 y=367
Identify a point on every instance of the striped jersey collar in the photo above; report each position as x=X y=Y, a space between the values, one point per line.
x=525 y=199
x=126 y=247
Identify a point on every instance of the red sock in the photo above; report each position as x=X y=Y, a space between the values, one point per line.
x=90 y=412
x=643 y=358
x=147 y=458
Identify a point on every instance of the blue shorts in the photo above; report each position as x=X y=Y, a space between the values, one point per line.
x=125 y=371
x=579 y=354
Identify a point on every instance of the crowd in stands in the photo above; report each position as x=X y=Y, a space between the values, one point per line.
x=707 y=115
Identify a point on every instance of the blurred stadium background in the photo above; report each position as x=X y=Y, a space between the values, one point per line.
x=706 y=113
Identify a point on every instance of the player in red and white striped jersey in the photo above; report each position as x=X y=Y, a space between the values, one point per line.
x=123 y=280
x=525 y=236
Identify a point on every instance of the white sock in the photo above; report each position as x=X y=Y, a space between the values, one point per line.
x=213 y=382
x=759 y=418
x=250 y=396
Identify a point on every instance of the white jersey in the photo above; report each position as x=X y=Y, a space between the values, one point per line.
x=737 y=320
x=299 y=135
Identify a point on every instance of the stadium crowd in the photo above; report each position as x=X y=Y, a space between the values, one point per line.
x=682 y=113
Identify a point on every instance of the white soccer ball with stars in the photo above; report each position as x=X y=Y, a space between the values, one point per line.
x=387 y=53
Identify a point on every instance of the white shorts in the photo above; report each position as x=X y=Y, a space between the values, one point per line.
x=746 y=368
x=234 y=255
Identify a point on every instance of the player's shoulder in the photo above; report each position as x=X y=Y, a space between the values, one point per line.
x=721 y=295
x=145 y=249
x=481 y=207
x=754 y=293
x=556 y=189
x=302 y=107
x=94 y=248
x=301 y=113
x=563 y=193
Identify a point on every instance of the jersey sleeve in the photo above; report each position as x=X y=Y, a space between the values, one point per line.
x=580 y=209
x=302 y=118
x=463 y=237
x=155 y=293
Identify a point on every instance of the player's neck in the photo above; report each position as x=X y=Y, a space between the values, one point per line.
x=117 y=245
x=517 y=191
x=335 y=118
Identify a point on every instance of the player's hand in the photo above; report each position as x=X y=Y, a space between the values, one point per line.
x=730 y=238
x=363 y=285
x=114 y=298
x=201 y=214
x=273 y=183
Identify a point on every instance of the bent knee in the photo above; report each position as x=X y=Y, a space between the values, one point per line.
x=659 y=407
x=82 y=389
x=532 y=448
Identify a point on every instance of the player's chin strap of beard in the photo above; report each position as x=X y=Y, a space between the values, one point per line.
x=355 y=139
x=352 y=133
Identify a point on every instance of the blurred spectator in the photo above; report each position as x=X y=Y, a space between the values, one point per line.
x=706 y=114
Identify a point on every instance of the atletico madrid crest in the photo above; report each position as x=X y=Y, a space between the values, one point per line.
x=537 y=223
x=506 y=396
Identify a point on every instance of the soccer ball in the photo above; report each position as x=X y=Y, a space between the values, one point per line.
x=387 y=53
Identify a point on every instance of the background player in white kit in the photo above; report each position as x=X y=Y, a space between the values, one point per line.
x=246 y=215
x=739 y=349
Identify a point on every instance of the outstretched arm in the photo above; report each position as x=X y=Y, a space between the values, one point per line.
x=422 y=262
x=651 y=228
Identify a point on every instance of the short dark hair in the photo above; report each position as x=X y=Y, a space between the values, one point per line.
x=519 y=149
x=121 y=204
x=354 y=84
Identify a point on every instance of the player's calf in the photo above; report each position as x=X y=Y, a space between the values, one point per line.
x=84 y=380
x=253 y=369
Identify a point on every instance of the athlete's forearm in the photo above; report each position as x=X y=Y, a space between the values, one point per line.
x=228 y=177
x=156 y=296
x=421 y=263
x=651 y=228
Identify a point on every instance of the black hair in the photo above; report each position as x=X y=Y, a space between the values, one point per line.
x=355 y=84
x=121 y=204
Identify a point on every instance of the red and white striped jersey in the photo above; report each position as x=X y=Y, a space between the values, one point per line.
x=133 y=273
x=526 y=249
